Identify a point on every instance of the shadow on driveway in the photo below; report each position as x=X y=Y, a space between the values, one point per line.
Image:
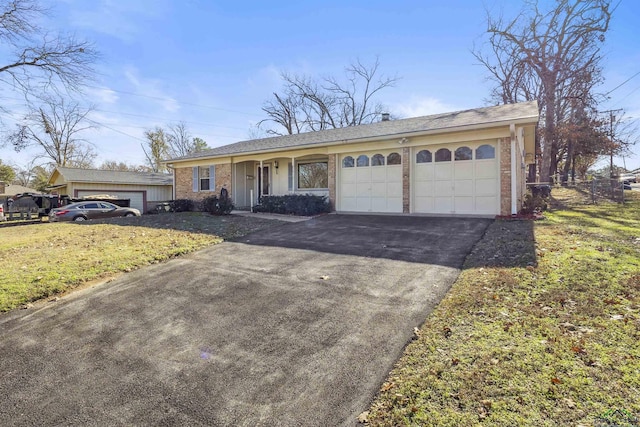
x=295 y=325
x=426 y=240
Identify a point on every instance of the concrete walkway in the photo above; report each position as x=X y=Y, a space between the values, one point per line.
x=256 y=332
x=287 y=218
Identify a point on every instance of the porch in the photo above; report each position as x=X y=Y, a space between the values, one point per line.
x=278 y=176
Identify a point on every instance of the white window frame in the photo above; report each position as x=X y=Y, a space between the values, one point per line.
x=197 y=179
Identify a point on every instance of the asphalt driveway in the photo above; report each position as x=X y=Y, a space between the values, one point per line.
x=298 y=325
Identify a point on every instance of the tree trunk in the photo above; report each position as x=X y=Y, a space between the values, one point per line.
x=549 y=128
x=567 y=163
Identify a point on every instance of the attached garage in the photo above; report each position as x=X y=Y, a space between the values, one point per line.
x=137 y=198
x=470 y=163
x=456 y=179
x=371 y=182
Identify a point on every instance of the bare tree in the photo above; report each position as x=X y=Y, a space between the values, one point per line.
x=306 y=104
x=37 y=59
x=156 y=149
x=32 y=174
x=176 y=141
x=114 y=165
x=180 y=142
x=550 y=55
x=56 y=127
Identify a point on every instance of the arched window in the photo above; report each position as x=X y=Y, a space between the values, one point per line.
x=394 y=159
x=423 y=156
x=463 y=153
x=485 y=152
x=363 y=160
x=443 y=155
x=347 y=162
x=377 y=160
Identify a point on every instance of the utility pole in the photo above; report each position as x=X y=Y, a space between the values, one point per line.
x=611 y=118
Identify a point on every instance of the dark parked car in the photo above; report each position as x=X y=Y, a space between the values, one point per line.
x=82 y=211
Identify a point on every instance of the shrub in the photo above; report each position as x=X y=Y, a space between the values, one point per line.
x=534 y=204
x=294 y=204
x=216 y=206
x=182 y=205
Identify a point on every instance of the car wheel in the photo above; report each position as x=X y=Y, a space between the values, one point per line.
x=129 y=214
x=79 y=218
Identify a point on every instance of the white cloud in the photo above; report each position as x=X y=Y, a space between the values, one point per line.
x=417 y=106
x=120 y=19
x=152 y=89
x=102 y=95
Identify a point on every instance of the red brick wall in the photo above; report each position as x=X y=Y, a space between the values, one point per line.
x=505 y=176
x=332 y=180
x=406 y=179
x=184 y=184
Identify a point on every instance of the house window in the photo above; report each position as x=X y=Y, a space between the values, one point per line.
x=423 y=156
x=204 y=178
x=485 y=152
x=313 y=175
x=363 y=160
x=290 y=177
x=443 y=155
x=377 y=160
x=463 y=153
x=394 y=159
x=347 y=162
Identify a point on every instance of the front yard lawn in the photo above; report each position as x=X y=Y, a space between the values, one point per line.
x=542 y=328
x=41 y=260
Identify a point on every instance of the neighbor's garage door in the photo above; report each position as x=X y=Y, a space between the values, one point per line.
x=456 y=179
x=136 y=197
x=370 y=182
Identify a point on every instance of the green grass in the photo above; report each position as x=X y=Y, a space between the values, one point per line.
x=542 y=328
x=42 y=260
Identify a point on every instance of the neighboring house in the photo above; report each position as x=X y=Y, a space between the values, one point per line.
x=9 y=191
x=469 y=162
x=144 y=189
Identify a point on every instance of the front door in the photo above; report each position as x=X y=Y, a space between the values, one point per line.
x=263 y=181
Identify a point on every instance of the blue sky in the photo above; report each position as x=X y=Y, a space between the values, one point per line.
x=212 y=64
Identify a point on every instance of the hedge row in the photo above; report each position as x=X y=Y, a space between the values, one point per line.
x=212 y=204
x=294 y=204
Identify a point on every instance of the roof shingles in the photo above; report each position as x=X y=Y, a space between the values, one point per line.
x=479 y=116
x=114 y=177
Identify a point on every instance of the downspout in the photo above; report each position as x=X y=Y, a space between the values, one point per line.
x=173 y=178
x=514 y=176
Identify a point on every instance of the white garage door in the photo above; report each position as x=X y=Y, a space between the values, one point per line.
x=136 y=197
x=370 y=182
x=456 y=179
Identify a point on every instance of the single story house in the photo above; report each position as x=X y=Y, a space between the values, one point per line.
x=9 y=191
x=144 y=189
x=470 y=162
